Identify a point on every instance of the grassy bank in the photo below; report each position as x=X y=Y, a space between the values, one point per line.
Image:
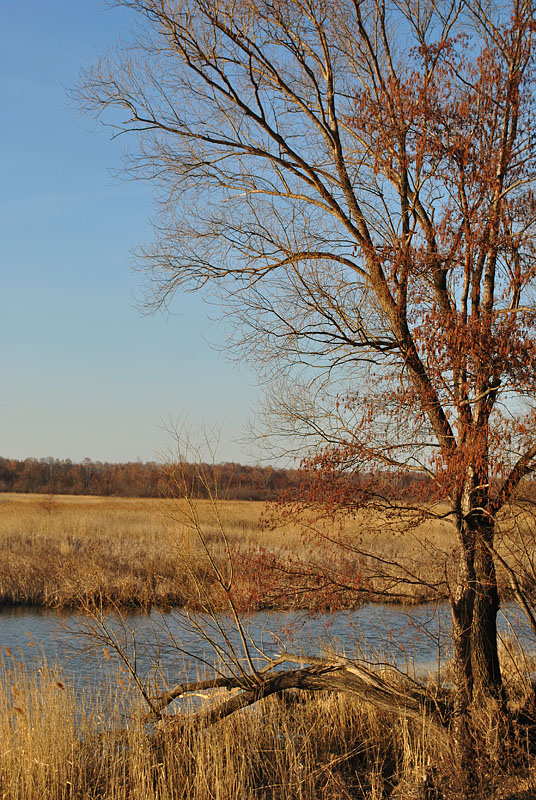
x=65 y=551
x=306 y=747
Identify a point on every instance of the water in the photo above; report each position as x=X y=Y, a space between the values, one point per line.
x=171 y=647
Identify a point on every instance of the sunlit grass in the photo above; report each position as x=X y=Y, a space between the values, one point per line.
x=72 y=551
x=323 y=746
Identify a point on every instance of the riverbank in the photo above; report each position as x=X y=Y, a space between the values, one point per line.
x=78 y=552
x=325 y=746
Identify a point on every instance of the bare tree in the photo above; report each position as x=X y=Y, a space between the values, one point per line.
x=355 y=178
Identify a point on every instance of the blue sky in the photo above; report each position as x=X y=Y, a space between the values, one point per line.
x=84 y=373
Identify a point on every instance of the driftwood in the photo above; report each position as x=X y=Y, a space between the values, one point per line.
x=314 y=674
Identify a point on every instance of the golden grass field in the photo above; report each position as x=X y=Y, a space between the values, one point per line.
x=73 y=551
x=326 y=747
x=78 y=551
x=68 y=551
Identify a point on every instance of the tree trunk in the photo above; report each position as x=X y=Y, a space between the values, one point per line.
x=475 y=603
x=487 y=679
x=462 y=605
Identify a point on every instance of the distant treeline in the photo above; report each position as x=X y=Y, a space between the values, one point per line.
x=135 y=479
x=233 y=481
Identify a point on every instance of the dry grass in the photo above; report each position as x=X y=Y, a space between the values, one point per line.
x=69 y=551
x=66 y=551
x=298 y=747
x=73 y=551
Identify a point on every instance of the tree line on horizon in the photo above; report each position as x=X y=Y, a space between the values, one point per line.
x=139 y=479
x=230 y=480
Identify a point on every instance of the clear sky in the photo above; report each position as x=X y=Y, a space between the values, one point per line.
x=84 y=373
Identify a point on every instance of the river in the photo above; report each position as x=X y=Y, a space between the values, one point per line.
x=171 y=646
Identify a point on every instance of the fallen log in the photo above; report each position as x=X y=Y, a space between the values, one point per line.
x=336 y=674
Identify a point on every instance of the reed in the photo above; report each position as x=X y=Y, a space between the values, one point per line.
x=72 y=551
x=304 y=747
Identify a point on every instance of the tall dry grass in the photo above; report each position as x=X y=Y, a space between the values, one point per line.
x=297 y=747
x=74 y=551
x=70 y=551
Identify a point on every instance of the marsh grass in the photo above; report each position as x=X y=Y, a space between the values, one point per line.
x=295 y=747
x=74 y=552
x=302 y=748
